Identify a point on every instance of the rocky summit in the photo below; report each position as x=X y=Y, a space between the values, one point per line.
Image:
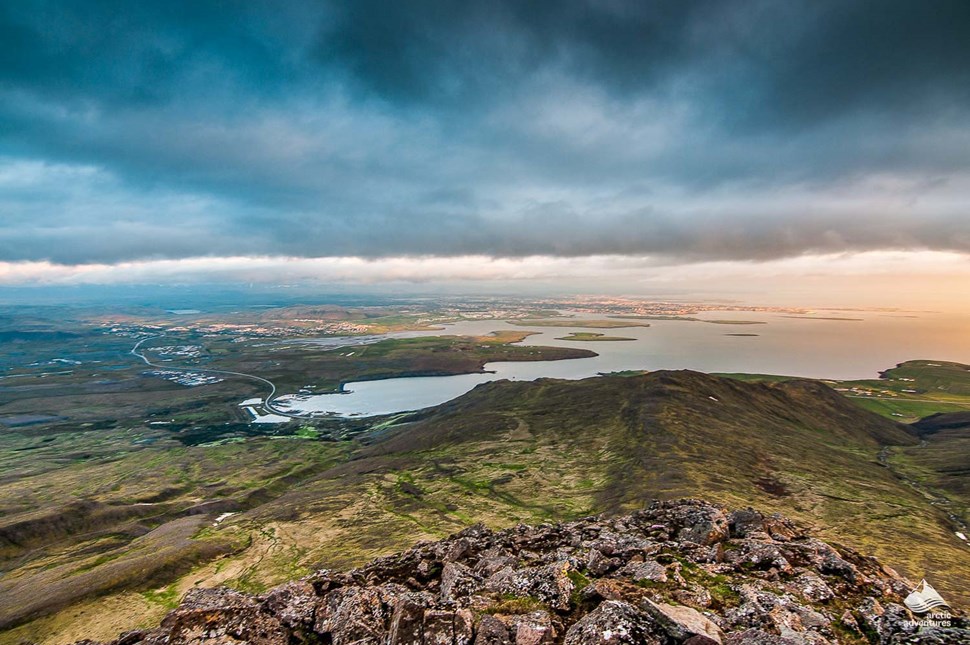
x=678 y=572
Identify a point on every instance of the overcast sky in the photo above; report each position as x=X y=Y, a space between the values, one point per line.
x=664 y=133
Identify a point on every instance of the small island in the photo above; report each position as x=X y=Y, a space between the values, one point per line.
x=653 y=317
x=726 y=321
x=574 y=322
x=836 y=318
x=589 y=336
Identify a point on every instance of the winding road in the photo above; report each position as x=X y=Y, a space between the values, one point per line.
x=267 y=402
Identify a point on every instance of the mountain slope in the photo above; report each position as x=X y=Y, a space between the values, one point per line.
x=678 y=572
x=795 y=446
x=551 y=450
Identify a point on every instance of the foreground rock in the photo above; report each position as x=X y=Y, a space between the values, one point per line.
x=679 y=572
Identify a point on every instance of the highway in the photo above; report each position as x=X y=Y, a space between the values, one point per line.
x=267 y=403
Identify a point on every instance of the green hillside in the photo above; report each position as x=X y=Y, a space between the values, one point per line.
x=504 y=453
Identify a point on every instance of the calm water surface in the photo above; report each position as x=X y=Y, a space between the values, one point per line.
x=815 y=348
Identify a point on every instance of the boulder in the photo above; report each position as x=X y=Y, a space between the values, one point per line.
x=649 y=571
x=294 y=604
x=811 y=587
x=535 y=628
x=742 y=523
x=549 y=584
x=754 y=554
x=439 y=627
x=611 y=623
x=458 y=581
x=407 y=619
x=207 y=615
x=351 y=614
x=757 y=637
x=702 y=524
x=598 y=564
x=681 y=623
x=492 y=631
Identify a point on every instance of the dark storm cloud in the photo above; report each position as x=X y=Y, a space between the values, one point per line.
x=435 y=51
x=694 y=130
x=796 y=62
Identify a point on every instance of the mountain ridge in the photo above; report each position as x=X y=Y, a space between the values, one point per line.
x=548 y=450
x=678 y=572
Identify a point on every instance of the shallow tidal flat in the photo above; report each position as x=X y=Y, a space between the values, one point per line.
x=576 y=322
x=692 y=319
x=834 y=318
x=592 y=336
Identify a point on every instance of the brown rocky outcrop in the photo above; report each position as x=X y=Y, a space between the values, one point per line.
x=679 y=572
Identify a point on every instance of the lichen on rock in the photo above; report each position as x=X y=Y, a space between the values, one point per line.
x=678 y=572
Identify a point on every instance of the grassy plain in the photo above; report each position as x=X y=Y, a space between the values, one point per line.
x=293 y=366
x=592 y=336
x=913 y=390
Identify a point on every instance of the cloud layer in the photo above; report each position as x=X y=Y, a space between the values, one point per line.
x=685 y=131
